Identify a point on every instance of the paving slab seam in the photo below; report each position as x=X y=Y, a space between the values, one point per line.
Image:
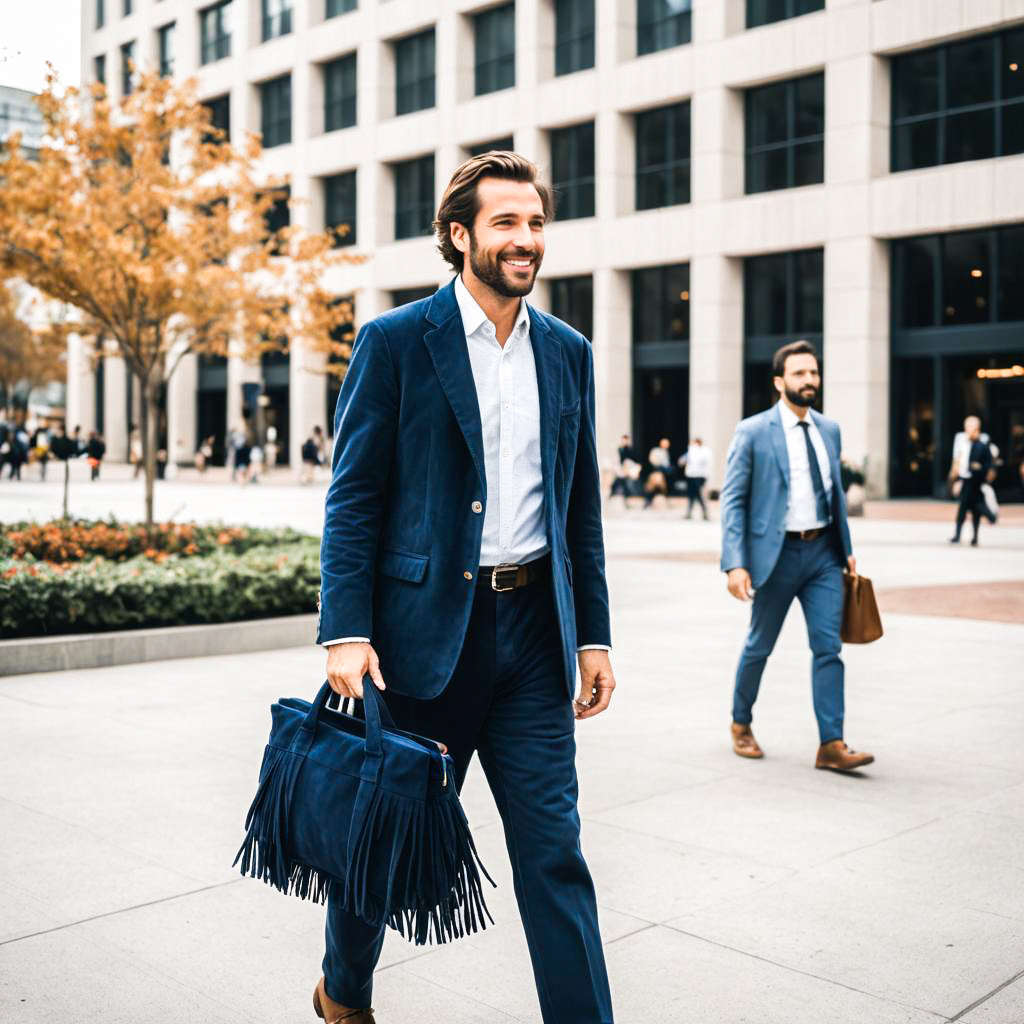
x=985 y=998
x=121 y=910
x=636 y=931
x=808 y=974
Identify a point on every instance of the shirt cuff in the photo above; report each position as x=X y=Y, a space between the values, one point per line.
x=593 y=647
x=346 y=640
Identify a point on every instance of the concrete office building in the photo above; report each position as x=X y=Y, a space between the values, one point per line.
x=733 y=174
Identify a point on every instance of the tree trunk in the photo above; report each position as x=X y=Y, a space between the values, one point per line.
x=149 y=443
x=67 y=481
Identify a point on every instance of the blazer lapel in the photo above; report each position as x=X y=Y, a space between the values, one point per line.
x=778 y=436
x=446 y=343
x=547 y=355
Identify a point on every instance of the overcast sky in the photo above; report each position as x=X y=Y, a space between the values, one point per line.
x=35 y=32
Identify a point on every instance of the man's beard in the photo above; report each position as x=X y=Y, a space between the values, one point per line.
x=801 y=397
x=489 y=271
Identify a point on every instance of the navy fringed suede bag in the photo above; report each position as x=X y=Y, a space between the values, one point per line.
x=369 y=808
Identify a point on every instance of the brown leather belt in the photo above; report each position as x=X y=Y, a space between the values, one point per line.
x=511 y=577
x=806 y=534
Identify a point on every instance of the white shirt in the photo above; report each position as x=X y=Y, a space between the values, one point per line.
x=698 y=461
x=802 y=511
x=505 y=377
x=506 y=389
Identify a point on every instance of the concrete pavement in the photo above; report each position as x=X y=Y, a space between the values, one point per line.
x=731 y=892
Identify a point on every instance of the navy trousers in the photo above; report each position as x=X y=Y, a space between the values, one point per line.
x=811 y=572
x=507 y=702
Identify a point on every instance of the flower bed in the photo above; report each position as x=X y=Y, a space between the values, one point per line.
x=182 y=576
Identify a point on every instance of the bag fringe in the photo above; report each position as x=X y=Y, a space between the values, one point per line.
x=413 y=865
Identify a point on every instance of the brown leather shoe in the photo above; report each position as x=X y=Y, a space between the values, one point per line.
x=838 y=757
x=334 y=1013
x=743 y=741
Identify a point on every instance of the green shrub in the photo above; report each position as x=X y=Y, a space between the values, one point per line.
x=42 y=599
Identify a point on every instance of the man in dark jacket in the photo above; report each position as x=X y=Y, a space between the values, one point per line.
x=976 y=456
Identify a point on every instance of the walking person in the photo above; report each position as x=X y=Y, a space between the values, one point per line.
x=454 y=545
x=697 y=469
x=95 y=449
x=659 y=471
x=972 y=460
x=312 y=455
x=785 y=535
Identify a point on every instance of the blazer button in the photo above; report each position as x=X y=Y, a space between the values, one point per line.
x=478 y=507
x=468 y=575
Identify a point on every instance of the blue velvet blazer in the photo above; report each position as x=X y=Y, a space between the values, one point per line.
x=755 y=494
x=399 y=528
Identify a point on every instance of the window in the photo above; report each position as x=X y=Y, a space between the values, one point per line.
x=572 y=300
x=494 y=34
x=165 y=49
x=414 y=72
x=276 y=111
x=99 y=68
x=961 y=101
x=335 y=7
x=101 y=13
x=127 y=67
x=964 y=277
x=278 y=216
x=340 y=93
x=663 y=156
x=414 y=197
x=219 y=110
x=215 y=33
x=126 y=7
x=574 y=35
x=503 y=144
x=661 y=304
x=785 y=128
x=763 y=12
x=572 y=170
x=340 y=207
x=783 y=301
x=402 y=296
x=661 y=24
x=276 y=18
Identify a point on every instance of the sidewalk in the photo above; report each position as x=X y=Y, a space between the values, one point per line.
x=731 y=892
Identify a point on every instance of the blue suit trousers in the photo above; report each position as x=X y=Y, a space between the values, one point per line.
x=811 y=572
x=507 y=702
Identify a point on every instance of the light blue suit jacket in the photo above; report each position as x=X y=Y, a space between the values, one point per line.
x=756 y=494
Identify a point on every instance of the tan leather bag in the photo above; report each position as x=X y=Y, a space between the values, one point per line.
x=861 y=622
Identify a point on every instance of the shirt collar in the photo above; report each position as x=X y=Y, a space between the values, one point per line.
x=473 y=317
x=789 y=418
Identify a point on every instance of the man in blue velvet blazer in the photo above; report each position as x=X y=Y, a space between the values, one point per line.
x=785 y=536
x=462 y=565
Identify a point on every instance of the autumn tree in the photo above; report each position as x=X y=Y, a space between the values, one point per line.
x=153 y=227
x=28 y=358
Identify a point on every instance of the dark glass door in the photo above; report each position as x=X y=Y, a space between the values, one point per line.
x=661 y=408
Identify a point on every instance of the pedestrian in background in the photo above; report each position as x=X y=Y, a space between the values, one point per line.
x=95 y=449
x=135 y=452
x=204 y=453
x=697 y=468
x=659 y=471
x=312 y=455
x=785 y=535
x=972 y=461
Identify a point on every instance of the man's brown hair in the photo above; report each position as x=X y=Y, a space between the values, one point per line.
x=794 y=348
x=460 y=203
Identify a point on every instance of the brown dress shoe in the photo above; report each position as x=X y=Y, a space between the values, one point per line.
x=838 y=757
x=743 y=741
x=334 y=1013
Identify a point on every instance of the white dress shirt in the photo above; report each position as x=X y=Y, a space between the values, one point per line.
x=698 y=461
x=802 y=511
x=505 y=377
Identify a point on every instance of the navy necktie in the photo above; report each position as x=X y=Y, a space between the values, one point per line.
x=819 y=484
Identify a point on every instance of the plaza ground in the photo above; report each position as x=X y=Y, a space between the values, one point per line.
x=731 y=892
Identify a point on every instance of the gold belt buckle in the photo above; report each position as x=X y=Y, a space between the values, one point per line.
x=505 y=569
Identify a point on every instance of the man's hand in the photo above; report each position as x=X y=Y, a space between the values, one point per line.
x=739 y=584
x=348 y=663
x=596 y=684
x=851 y=564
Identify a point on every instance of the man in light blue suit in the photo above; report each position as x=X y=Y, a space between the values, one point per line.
x=785 y=535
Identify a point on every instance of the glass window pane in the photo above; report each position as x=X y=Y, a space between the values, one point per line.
x=767 y=119
x=763 y=12
x=809 y=163
x=969 y=67
x=914 y=281
x=1012 y=71
x=810 y=105
x=1011 y=260
x=1013 y=129
x=767 y=171
x=765 y=295
x=915 y=145
x=916 y=83
x=809 y=288
x=966 y=278
x=970 y=136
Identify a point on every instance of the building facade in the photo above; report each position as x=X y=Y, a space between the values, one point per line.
x=732 y=174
